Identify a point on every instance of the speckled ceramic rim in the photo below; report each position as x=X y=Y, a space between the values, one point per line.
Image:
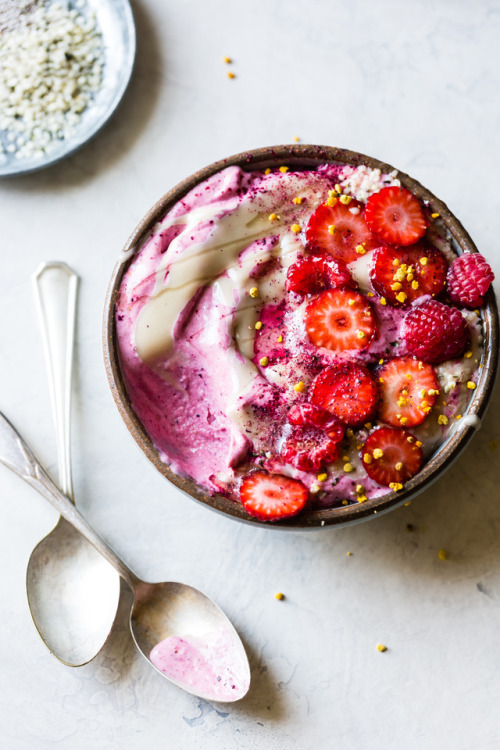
x=300 y=156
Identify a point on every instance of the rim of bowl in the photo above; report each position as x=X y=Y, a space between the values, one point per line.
x=301 y=156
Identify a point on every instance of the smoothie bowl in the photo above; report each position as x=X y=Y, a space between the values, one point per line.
x=301 y=336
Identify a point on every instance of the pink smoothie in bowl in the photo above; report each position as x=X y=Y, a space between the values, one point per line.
x=298 y=342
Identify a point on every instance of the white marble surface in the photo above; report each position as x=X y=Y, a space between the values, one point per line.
x=416 y=84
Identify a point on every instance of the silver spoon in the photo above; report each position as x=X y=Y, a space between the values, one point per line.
x=72 y=591
x=194 y=644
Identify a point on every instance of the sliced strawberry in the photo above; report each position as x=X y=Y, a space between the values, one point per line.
x=272 y=497
x=338 y=230
x=408 y=391
x=396 y=216
x=340 y=320
x=316 y=273
x=404 y=275
x=347 y=391
x=391 y=456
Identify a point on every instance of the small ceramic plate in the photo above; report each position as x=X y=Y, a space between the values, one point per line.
x=115 y=21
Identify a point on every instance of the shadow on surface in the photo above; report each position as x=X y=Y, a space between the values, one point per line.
x=125 y=127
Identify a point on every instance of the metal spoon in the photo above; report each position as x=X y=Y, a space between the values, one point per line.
x=161 y=612
x=72 y=591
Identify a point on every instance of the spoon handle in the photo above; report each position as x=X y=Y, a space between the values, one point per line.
x=56 y=286
x=15 y=455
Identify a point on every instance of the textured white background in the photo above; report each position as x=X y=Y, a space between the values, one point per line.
x=413 y=83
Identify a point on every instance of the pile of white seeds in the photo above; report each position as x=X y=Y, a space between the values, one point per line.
x=51 y=64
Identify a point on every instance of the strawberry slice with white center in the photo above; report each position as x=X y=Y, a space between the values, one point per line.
x=402 y=275
x=340 y=320
x=338 y=230
x=347 y=391
x=272 y=497
x=315 y=273
x=408 y=391
x=396 y=216
x=391 y=457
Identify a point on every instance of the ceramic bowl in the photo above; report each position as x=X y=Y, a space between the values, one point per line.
x=303 y=156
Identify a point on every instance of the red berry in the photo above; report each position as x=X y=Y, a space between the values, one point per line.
x=409 y=279
x=349 y=230
x=315 y=416
x=340 y=320
x=469 y=278
x=316 y=273
x=272 y=497
x=396 y=216
x=408 y=390
x=309 y=448
x=347 y=391
x=401 y=457
x=434 y=332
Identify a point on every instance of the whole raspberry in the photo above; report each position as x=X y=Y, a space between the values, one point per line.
x=469 y=278
x=434 y=332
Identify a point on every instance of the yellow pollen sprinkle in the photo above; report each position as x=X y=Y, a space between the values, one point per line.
x=296 y=138
x=284 y=170
x=254 y=292
x=398 y=466
x=424 y=404
x=338 y=189
x=403 y=420
x=370 y=294
x=331 y=229
x=322 y=477
x=361 y=334
x=273 y=217
x=404 y=392
x=423 y=393
x=424 y=261
x=348 y=468
x=442 y=554
x=258 y=325
x=367 y=458
x=408 y=376
x=231 y=75
x=267 y=171
x=396 y=486
x=348 y=554
x=345 y=502
x=414 y=284
x=409 y=277
x=299 y=387
x=298 y=200
x=396 y=286
x=434 y=216
x=470 y=385
x=410 y=439
x=459 y=416
x=421 y=365
x=264 y=361
x=378 y=453
x=345 y=458
x=443 y=419
x=332 y=200
x=381 y=380
x=418 y=443
x=402 y=401
x=351 y=302
x=401 y=297
x=280 y=339
x=381 y=647
x=361 y=498
x=383 y=301
x=359 y=488
x=395 y=262
x=368 y=425
x=279 y=596
x=381 y=361
x=314 y=488
x=296 y=228
x=345 y=199
x=468 y=355
x=360 y=249
x=227 y=60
